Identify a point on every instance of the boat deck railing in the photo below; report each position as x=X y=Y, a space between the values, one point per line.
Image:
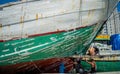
x=112 y=25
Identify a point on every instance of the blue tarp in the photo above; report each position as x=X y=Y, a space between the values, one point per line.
x=118 y=7
x=115 y=41
x=7 y=1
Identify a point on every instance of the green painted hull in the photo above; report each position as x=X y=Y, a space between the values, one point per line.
x=104 y=66
x=63 y=44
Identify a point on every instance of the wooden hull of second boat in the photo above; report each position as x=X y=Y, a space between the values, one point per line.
x=36 y=67
x=104 y=66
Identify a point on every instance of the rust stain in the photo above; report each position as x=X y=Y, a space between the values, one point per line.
x=26 y=34
x=37 y=16
x=21 y=22
x=58 y=30
x=89 y=17
x=21 y=19
x=90 y=13
x=73 y=5
x=0 y=27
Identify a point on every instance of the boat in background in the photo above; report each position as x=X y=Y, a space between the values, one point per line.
x=104 y=63
x=108 y=59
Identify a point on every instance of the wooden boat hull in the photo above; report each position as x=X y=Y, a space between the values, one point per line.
x=43 y=29
x=104 y=63
x=104 y=66
x=36 y=67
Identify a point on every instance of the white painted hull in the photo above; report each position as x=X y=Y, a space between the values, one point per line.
x=36 y=17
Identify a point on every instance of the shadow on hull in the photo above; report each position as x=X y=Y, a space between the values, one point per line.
x=37 y=67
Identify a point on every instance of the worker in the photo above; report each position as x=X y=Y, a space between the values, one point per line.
x=93 y=51
x=93 y=65
x=78 y=66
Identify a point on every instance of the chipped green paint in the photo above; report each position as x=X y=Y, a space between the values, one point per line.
x=62 y=44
